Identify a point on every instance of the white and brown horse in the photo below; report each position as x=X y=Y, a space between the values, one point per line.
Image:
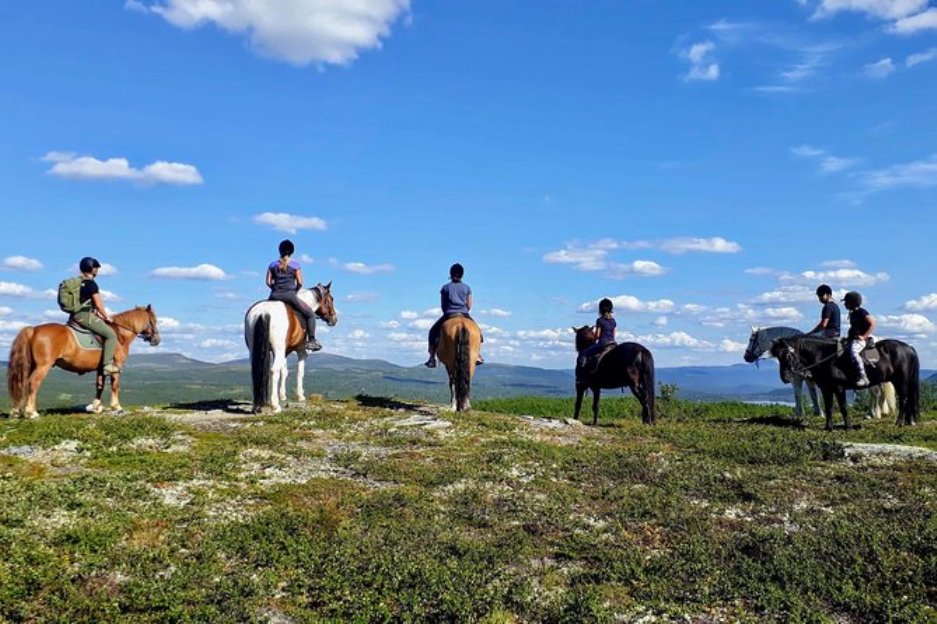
x=37 y=349
x=273 y=330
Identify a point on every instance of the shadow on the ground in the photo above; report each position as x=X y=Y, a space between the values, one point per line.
x=226 y=405
x=788 y=422
x=367 y=400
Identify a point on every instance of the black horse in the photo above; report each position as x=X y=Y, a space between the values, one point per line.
x=627 y=364
x=830 y=365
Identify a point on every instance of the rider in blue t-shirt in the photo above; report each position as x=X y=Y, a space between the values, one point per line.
x=829 y=324
x=455 y=299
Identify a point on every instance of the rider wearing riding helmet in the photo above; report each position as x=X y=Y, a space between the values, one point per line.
x=93 y=316
x=604 y=332
x=861 y=325
x=829 y=325
x=455 y=299
x=285 y=278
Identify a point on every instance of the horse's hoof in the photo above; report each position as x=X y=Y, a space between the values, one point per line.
x=91 y=408
x=117 y=411
x=31 y=415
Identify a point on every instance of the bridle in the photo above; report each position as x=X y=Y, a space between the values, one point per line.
x=799 y=369
x=147 y=333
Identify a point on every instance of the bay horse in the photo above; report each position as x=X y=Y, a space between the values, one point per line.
x=459 y=345
x=273 y=330
x=37 y=349
x=627 y=364
x=830 y=365
x=759 y=345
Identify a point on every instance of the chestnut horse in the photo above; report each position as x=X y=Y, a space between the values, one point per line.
x=272 y=328
x=627 y=364
x=459 y=345
x=37 y=349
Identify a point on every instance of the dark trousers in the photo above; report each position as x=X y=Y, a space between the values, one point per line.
x=306 y=313
x=437 y=327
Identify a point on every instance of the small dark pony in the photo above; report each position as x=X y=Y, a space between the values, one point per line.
x=830 y=366
x=627 y=364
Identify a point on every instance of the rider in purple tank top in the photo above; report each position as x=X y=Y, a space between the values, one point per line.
x=605 y=335
x=285 y=278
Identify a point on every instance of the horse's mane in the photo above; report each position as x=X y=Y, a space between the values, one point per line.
x=130 y=318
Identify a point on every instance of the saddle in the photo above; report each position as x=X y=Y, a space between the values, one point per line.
x=85 y=338
x=870 y=354
x=591 y=363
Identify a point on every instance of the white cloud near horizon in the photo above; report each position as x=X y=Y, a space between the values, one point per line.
x=71 y=166
x=921 y=57
x=14 y=289
x=200 y=272
x=20 y=263
x=360 y=268
x=291 y=224
x=828 y=162
x=927 y=302
x=496 y=312
x=910 y=323
x=630 y=303
x=910 y=25
x=881 y=68
x=300 y=32
x=882 y=9
x=915 y=174
x=840 y=277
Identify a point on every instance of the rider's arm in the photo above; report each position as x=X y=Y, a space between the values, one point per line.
x=299 y=279
x=468 y=302
x=871 y=327
x=269 y=278
x=99 y=306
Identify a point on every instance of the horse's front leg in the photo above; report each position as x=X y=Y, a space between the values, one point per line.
x=115 y=395
x=814 y=397
x=580 y=391
x=95 y=407
x=596 y=393
x=841 y=399
x=276 y=374
x=300 y=373
x=828 y=407
x=797 y=382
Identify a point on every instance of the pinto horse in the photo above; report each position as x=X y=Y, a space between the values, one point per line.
x=831 y=368
x=627 y=364
x=459 y=345
x=36 y=350
x=272 y=328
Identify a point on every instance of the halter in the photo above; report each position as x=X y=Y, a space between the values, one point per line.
x=146 y=333
x=802 y=370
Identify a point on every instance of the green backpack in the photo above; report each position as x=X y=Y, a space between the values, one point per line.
x=70 y=295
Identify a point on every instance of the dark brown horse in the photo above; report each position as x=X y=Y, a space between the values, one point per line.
x=459 y=344
x=37 y=349
x=627 y=364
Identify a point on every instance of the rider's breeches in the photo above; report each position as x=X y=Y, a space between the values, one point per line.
x=855 y=350
x=90 y=320
x=305 y=312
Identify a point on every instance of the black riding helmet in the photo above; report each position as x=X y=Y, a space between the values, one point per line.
x=823 y=289
x=852 y=298
x=605 y=306
x=286 y=248
x=88 y=264
x=456 y=271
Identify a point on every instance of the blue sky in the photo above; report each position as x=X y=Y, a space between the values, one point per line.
x=704 y=164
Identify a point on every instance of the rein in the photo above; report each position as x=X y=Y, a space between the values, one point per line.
x=801 y=368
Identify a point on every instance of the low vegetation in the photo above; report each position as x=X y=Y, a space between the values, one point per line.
x=380 y=510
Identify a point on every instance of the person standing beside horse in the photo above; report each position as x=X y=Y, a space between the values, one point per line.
x=829 y=325
x=285 y=279
x=861 y=326
x=605 y=337
x=455 y=299
x=93 y=316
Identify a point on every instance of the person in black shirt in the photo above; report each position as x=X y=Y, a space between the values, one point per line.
x=92 y=315
x=861 y=325
x=829 y=325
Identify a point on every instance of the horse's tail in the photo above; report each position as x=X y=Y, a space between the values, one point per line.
x=463 y=374
x=647 y=380
x=260 y=361
x=912 y=401
x=20 y=367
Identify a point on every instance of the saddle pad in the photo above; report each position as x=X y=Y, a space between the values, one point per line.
x=85 y=338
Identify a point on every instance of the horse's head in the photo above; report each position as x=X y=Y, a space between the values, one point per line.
x=755 y=348
x=326 y=308
x=787 y=358
x=585 y=337
x=150 y=332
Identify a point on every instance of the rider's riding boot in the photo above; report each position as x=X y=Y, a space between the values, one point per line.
x=479 y=360
x=862 y=379
x=111 y=369
x=431 y=362
x=313 y=345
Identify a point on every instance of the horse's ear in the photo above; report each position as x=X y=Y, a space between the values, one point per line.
x=574 y=330
x=754 y=329
x=329 y=285
x=149 y=308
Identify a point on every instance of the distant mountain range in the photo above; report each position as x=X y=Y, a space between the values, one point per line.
x=172 y=378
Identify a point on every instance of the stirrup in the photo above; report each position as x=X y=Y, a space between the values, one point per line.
x=430 y=363
x=863 y=382
x=313 y=345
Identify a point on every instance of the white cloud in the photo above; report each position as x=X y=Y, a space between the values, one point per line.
x=879 y=69
x=630 y=303
x=646 y=268
x=422 y=324
x=842 y=277
x=730 y=346
x=911 y=323
x=291 y=224
x=927 y=302
x=661 y=321
x=496 y=312
x=361 y=297
x=916 y=23
x=921 y=57
x=358 y=334
x=788 y=294
x=674 y=339
x=787 y=313
x=214 y=343
x=107 y=269
x=14 y=289
x=361 y=268
x=306 y=259
x=200 y=272
x=6 y=311
x=828 y=162
x=21 y=263
x=716 y=244
x=838 y=264
x=299 y=32
x=409 y=314
x=761 y=271
x=588 y=259
x=702 y=66
x=916 y=174
x=390 y=324
x=12 y=325
x=882 y=9
x=71 y=166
